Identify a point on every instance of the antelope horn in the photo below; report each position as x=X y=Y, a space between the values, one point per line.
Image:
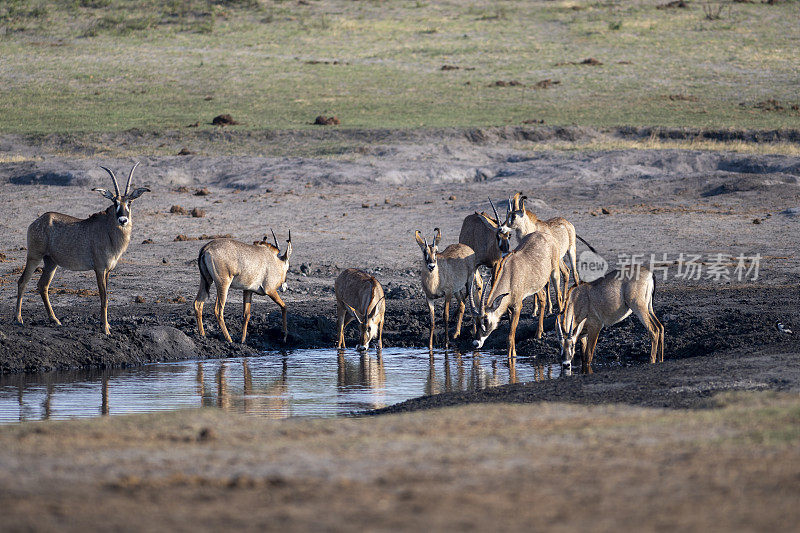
x=275 y=238
x=508 y=209
x=496 y=216
x=472 y=296
x=128 y=185
x=113 y=178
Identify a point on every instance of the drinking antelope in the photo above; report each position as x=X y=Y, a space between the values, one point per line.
x=603 y=302
x=253 y=268
x=95 y=243
x=522 y=273
x=487 y=238
x=448 y=273
x=360 y=296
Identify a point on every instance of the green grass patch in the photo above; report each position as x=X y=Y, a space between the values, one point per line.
x=109 y=65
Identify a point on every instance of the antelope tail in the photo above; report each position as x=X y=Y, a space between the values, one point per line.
x=586 y=243
x=206 y=280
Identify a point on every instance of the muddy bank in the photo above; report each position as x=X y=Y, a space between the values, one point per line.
x=698 y=321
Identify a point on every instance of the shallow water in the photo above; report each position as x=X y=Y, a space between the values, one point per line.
x=273 y=385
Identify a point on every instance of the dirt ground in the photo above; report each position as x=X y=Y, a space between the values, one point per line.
x=361 y=208
x=623 y=461
x=537 y=466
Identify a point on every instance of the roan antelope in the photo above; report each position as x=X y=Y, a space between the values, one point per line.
x=94 y=243
x=603 y=302
x=522 y=273
x=525 y=222
x=360 y=296
x=253 y=268
x=486 y=237
x=448 y=273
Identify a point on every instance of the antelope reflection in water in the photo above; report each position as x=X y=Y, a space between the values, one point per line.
x=479 y=378
x=104 y=410
x=271 y=401
x=370 y=375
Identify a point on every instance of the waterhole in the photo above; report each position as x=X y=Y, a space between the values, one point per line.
x=301 y=383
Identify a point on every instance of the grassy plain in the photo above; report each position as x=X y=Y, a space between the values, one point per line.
x=110 y=65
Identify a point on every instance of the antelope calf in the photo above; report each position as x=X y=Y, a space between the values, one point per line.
x=522 y=273
x=487 y=237
x=603 y=302
x=524 y=222
x=360 y=296
x=253 y=268
x=95 y=243
x=448 y=273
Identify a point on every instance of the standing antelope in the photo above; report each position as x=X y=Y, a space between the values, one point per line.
x=603 y=302
x=524 y=222
x=253 y=268
x=487 y=238
x=94 y=243
x=360 y=296
x=522 y=273
x=448 y=273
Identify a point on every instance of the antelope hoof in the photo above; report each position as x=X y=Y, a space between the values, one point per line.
x=18 y=320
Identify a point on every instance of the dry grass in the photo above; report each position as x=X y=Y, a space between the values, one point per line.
x=513 y=467
x=598 y=145
x=12 y=158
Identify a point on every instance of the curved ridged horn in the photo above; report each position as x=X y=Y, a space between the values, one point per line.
x=275 y=239
x=128 y=185
x=475 y=310
x=496 y=216
x=113 y=178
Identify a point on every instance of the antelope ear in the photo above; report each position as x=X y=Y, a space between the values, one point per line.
x=105 y=193
x=137 y=193
x=288 y=251
x=580 y=327
x=488 y=221
x=375 y=309
x=420 y=240
x=497 y=302
x=437 y=237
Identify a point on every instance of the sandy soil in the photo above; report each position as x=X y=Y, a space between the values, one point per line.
x=527 y=467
